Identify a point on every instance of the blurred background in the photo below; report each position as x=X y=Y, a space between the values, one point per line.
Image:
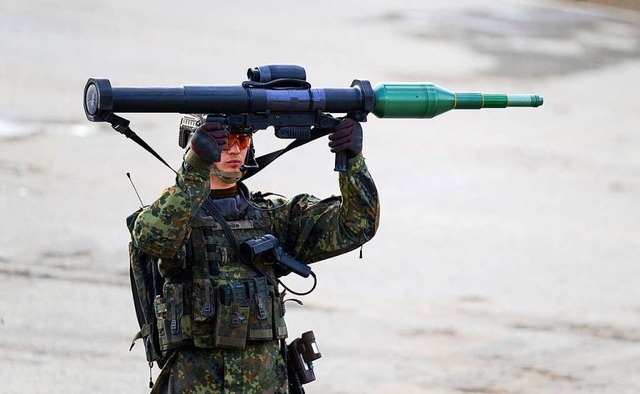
x=507 y=255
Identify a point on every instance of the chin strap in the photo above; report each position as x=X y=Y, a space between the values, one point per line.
x=227 y=177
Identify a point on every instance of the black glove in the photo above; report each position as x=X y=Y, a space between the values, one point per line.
x=347 y=136
x=209 y=140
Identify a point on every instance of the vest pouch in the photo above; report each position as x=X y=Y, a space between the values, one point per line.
x=260 y=309
x=232 y=317
x=204 y=300
x=204 y=312
x=174 y=327
x=278 y=317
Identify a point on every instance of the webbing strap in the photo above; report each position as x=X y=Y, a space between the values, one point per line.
x=121 y=125
x=265 y=160
x=213 y=211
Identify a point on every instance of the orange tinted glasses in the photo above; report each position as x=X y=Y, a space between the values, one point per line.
x=242 y=140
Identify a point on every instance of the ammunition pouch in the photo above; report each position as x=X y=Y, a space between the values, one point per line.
x=174 y=325
x=221 y=314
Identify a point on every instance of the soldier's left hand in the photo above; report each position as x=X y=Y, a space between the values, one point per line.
x=347 y=136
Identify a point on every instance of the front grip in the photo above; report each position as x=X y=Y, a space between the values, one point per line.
x=341 y=162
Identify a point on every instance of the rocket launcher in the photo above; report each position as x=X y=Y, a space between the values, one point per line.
x=280 y=96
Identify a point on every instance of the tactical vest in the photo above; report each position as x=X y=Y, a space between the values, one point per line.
x=210 y=298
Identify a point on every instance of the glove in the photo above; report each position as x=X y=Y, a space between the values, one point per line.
x=347 y=136
x=208 y=142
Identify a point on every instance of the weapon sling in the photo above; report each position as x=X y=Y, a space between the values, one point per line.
x=121 y=125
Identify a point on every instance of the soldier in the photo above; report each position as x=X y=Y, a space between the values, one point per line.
x=220 y=318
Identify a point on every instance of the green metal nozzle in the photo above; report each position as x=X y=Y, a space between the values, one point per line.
x=393 y=100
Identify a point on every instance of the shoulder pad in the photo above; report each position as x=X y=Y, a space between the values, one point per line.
x=268 y=199
x=131 y=219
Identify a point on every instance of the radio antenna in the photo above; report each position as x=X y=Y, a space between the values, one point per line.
x=136 y=190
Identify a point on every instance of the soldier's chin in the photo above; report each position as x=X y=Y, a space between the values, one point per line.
x=228 y=168
x=233 y=167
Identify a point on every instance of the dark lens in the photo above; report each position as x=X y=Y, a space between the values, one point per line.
x=242 y=140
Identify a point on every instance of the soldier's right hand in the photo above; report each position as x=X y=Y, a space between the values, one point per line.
x=209 y=140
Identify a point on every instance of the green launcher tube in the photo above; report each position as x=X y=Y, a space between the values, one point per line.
x=394 y=100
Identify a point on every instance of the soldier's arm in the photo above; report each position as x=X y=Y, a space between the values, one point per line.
x=313 y=229
x=162 y=227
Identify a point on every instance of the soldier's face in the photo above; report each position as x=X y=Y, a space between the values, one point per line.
x=232 y=158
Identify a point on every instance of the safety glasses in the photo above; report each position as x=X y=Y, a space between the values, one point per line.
x=243 y=140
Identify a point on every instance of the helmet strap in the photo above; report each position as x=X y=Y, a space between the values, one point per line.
x=227 y=177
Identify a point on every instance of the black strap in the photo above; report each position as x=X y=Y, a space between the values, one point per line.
x=121 y=125
x=210 y=207
x=265 y=160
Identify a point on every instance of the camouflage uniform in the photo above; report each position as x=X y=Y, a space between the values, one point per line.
x=195 y=257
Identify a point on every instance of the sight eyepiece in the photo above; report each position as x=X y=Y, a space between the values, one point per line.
x=98 y=98
x=271 y=72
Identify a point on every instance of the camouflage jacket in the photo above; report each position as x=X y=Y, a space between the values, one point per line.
x=308 y=228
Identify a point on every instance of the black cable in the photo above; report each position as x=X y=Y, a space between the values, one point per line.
x=315 y=282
